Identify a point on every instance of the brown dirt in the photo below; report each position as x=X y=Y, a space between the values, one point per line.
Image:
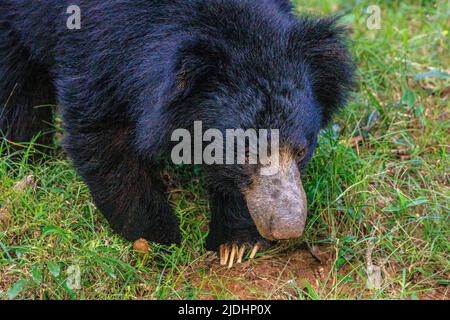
x=437 y=294
x=281 y=276
x=273 y=277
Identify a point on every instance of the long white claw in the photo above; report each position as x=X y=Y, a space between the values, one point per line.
x=232 y=253
x=223 y=255
x=226 y=255
x=241 y=254
x=234 y=250
x=254 y=251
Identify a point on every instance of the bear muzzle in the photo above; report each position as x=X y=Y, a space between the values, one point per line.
x=277 y=203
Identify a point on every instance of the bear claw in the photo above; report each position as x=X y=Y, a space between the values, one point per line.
x=228 y=253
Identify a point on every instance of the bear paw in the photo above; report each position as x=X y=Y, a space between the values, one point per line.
x=234 y=253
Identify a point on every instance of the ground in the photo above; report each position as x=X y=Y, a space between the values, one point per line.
x=378 y=188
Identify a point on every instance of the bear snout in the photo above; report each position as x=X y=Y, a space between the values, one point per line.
x=277 y=203
x=286 y=225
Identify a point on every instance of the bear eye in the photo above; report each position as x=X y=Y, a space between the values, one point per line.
x=300 y=154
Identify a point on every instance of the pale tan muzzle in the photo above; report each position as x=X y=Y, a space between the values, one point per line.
x=277 y=203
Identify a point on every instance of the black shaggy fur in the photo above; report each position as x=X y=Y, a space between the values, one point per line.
x=138 y=69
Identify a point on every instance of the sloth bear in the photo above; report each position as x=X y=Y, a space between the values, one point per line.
x=133 y=71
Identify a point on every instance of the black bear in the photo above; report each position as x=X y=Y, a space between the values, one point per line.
x=133 y=71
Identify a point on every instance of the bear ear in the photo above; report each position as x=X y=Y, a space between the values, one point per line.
x=199 y=64
x=196 y=67
x=323 y=44
x=284 y=5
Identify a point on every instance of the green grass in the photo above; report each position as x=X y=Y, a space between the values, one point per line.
x=378 y=188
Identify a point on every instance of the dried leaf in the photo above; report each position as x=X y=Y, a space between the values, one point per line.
x=321 y=256
x=353 y=142
x=5 y=217
x=27 y=182
x=141 y=246
x=374 y=279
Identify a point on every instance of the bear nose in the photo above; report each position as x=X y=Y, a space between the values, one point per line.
x=278 y=205
x=286 y=234
x=286 y=225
